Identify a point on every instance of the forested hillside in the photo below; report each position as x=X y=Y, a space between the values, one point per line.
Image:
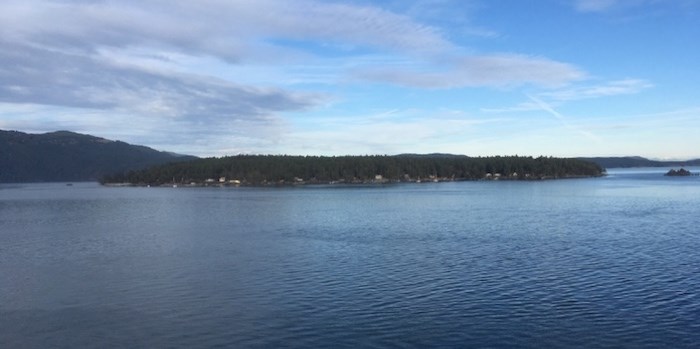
x=260 y=169
x=67 y=156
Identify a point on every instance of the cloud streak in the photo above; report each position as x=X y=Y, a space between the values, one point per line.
x=502 y=70
x=575 y=93
x=54 y=53
x=608 y=89
x=230 y=30
x=35 y=75
x=186 y=107
x=607 y=6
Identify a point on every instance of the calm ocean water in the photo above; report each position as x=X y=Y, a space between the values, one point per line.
x=606 y=262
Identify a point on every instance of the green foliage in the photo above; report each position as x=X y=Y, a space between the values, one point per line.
x=269 y=169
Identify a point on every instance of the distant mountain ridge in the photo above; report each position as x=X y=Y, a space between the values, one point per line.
x=69 y=156
x=637 y=161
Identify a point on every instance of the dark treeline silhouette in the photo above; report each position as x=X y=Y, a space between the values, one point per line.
x=283 y=169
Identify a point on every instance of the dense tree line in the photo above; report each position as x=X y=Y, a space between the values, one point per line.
x=270 y=169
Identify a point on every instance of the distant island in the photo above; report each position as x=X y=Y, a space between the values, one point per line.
x=68 y=156
x=294 y=170
x=679 y=173
x=637 y=161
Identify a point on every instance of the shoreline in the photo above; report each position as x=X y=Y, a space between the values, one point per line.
x=373 y=182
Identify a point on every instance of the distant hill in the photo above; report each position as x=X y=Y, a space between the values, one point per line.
x=68 y=156
x=637 y=161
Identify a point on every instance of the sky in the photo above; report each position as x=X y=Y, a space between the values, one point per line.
x=311 y=77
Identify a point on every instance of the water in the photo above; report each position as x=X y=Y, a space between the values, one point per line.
x=606 y=262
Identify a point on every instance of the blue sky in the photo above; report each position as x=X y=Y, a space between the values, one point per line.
x=474 y=77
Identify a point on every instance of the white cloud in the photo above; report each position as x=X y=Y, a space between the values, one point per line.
x=267 y=30
x=49 y=42
x=611 y=88
x=110 y=55
x=499 y=70
x=512 y=69
x=40 y=76
x=169 y=69
x=117 y=100
x=231 y=30
x=607 y=6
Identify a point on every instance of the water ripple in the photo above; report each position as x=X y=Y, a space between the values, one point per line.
x=516 y=265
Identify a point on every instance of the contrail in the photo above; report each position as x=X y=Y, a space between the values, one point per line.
x=546 y=107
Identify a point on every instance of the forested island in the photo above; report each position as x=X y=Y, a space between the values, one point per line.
x=290 y=170
x=679 y=173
